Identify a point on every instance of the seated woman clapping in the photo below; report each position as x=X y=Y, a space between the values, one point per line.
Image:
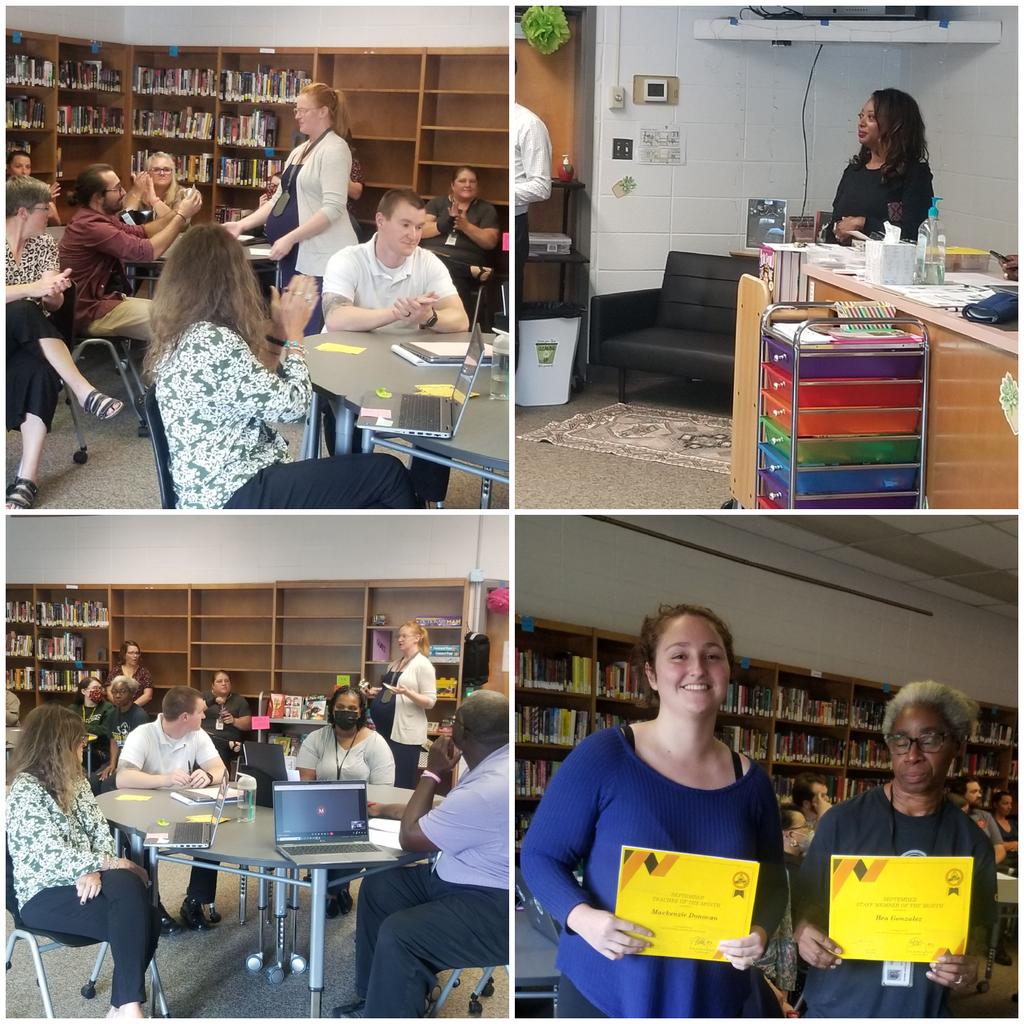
x=224 y=374
x=67 y=875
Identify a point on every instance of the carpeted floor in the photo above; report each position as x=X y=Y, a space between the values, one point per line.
x=552 y=477
x=204 y=975
x=120 y=473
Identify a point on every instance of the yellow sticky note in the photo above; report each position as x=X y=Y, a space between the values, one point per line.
x=333 y=346
x=132 y=796
x=204 y=819
x=440 y=390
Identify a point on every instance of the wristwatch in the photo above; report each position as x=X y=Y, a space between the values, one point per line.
x=429 y=323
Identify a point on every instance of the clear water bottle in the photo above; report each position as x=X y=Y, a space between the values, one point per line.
x=499 y=366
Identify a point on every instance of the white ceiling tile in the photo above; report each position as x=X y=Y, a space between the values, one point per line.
x=950 y=590
x=783 y=533
x=982 y=542
x=873 y=564
x=926 y=522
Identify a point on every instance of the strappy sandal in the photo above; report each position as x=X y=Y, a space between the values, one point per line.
x=102 y=406
x=22 y=493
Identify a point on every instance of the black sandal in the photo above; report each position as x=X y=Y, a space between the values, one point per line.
x=102 y=406
x=22 y=493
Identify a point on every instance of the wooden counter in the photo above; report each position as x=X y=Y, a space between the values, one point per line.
x=972 y=453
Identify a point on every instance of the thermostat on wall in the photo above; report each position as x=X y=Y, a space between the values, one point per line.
x=655 y=89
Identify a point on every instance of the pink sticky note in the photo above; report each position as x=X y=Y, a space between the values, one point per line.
x=261 y=721
x=376 y=413
x=504 y=242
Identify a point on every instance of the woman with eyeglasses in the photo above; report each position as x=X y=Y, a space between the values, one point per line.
x=67 y=874
x=38 y=357
x=156 y=189
x=128 y=663
x=307 y=220
x=924 y=727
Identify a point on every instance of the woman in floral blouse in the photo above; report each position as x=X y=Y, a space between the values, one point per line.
x=221 y=379
x=67 y=875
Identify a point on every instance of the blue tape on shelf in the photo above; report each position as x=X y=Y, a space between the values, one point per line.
x=994 y=711
x=173 y=51
x=885 y=687
x=824 y=22
x=16 y=38
x=269 y=151
x=733 y=21
x=526 y=623
x=79 y=664
x=94 y=46
x=943 y=22
x=744 y=663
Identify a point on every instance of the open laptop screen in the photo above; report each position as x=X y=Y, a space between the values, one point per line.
x=312 y=811
x=468 y=371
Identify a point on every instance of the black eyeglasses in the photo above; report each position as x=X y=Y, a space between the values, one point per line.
x=927 y=742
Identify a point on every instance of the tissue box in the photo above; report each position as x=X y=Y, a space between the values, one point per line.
x=889 y=263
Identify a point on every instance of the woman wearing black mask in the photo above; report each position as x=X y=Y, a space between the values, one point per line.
x=345 y=749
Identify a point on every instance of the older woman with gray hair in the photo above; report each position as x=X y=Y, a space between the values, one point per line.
x=924 y=726
x=127 y=716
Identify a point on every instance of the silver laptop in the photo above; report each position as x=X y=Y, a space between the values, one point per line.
x=321 y=824
x=426 y=415
x=191 y=835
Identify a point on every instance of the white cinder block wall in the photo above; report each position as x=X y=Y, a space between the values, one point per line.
x=576 y=570
x=274 y=24
x=739 y=108
x=253 y=549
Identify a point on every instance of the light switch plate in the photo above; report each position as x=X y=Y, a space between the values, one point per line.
x=622 y=149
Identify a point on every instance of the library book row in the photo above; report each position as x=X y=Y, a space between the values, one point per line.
x=263 y=85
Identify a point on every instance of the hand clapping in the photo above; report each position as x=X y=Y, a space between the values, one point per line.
x=416 y=310
x=291 y=309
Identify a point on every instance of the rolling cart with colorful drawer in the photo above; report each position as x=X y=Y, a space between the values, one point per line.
x=841 y=422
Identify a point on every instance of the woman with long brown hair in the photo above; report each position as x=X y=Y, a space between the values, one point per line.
x=221 y=379
x=889 y=178
x=307 y=219
x=67 y=875
x=129 y=663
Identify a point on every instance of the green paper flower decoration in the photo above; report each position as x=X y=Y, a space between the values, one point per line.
x=1009 y=400
x=545 y=28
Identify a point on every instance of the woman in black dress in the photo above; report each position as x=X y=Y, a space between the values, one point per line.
x=889 y=179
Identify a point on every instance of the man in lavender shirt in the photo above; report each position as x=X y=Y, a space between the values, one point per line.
x=455 y=912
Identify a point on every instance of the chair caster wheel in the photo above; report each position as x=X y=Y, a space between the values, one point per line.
x=254 y=963
x=488 y=989
x=298 y=964
x=275 y=974
x=983 y=986
x=88 y=990
x=80 y=458
x=143 y=431
x=731 y=503
x=475 y=1007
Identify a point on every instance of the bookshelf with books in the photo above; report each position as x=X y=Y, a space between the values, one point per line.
x=156 y=617
x=31 y=99
x=72 y=636
x=19 y=668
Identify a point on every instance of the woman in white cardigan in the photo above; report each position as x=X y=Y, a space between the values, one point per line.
x=307 y=218
x=400 y=703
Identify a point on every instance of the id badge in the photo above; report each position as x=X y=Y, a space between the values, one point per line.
x=897 y=974
x=451 y=239
x=282 y=204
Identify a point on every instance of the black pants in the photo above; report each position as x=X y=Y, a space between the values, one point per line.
x=407 y=759
x=572 y=1003
x=522 y=251
x=121 y=915
x=412 y=924
x=202 y=885
x=342 y=481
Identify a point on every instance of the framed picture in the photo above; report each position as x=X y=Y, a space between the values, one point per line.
x=766 y=221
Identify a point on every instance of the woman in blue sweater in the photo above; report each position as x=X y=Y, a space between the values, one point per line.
x=664 y=784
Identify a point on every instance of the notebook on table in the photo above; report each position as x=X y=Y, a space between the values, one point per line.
x=321 y=824
x=191 y=835
x=425 y=415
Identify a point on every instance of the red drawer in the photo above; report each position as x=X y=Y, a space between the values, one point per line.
x=859 y=393
x=842 y=422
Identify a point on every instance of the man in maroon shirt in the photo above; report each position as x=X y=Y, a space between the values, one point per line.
x=97 y=244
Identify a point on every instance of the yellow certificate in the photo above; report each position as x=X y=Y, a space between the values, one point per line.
x=900 y=908
x=690 y=902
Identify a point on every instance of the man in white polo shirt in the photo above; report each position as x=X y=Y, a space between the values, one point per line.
x=389 y=283
x=174 y=753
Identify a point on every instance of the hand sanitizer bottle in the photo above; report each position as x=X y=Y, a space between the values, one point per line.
x=931 y=248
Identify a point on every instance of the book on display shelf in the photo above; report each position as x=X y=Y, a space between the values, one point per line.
x=21 y=679
x=90 y=120
x=315 y=708
x=25 y=70
x=88 y=74
x=174 y=81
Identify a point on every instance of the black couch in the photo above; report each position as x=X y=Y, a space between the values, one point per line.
x=685 y=328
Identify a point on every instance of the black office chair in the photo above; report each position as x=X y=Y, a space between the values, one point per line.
x=58 y=940
x=161 y=452
x=484 y=987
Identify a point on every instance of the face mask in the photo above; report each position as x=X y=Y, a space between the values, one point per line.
x=346 y=719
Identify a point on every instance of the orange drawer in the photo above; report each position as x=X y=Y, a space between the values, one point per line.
x=841 y=422
x=854 y=393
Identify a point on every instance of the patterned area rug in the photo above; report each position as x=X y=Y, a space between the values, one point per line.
x=670 y=436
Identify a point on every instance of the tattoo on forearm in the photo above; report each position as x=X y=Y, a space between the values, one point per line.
x=333 y=301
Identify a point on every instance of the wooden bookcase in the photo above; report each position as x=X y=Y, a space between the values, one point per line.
x=790 y=719
x=416 y=114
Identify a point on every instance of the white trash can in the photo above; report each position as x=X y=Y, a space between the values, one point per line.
x=548 y=335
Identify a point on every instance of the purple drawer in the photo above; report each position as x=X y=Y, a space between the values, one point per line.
x=842 y=364
x=863 y=501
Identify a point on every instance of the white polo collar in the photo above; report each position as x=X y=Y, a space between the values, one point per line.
x=393 y=274
x=169 y=741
